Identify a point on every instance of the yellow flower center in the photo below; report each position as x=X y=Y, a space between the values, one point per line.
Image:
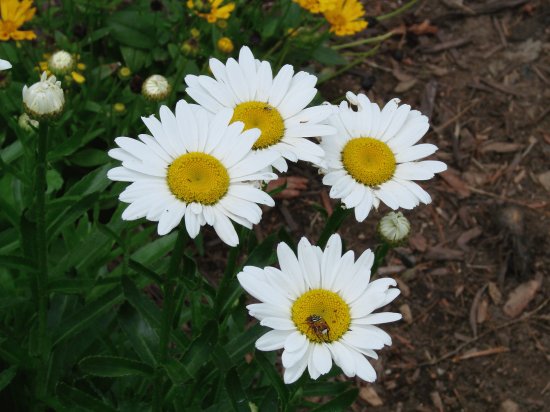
x=264 y=117
x=198 y=177
x=321 y=315
x=369 y=161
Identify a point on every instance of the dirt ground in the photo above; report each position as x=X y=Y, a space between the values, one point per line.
x=473 y=276
x=475 y=334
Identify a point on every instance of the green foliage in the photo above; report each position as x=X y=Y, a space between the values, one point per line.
x=98 y=344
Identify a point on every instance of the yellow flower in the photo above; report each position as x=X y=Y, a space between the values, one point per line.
x=225 y=45
x=346 y=18
x=316 y=6
x=77 y=77
x=210 y=9
x=13 y=14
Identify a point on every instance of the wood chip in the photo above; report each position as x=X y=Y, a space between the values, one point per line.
x=481 y=315
x=521 y=296
x=501 y=147
x=403 y=287
x=406 y=312
x=480 y=353
x=544 y=179
x=442 y=253
x=418 y=242
x=436 y=399
x=467 y=236
x=474 y=309
x=509 y=406
x=494 y=293
x=369 y=395
x=427 y=102
x=452 y=178
x=405 y=86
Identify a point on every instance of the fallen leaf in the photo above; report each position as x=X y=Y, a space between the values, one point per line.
x=442 y=253
x=418 y=242
x=481 y=315
x=544 y=179
x=494 y=293
x=423 y=28
x=452 y=178
x=436 y=399
x=369 y=395
x=405 y=86
x=509 y=406
x=406 y=312
x=465 y=237
x=521 y=296
x=501 y=147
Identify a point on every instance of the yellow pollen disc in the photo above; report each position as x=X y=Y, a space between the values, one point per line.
x=264 y=117
x=198 y=177
x=368 y=160
x=321 y=315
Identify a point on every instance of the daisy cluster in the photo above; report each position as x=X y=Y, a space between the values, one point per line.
x=206 y=163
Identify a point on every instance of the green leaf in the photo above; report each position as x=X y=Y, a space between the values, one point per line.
x=114 y=367
x=272 y=375
x=133 y=29
x=236 y=392
x=341 y=403
x=334 y=222
x=16 y=262
x=71 y=214
x=54 y=181
x=263 y=254
x=328 y=56
x=244 y=342
x=6 y=376
x=87 y=315
x=75 y=398
x=89 y=158
x=142 y=336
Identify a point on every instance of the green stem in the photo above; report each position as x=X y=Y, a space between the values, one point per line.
x=333 y=223
x=350 y=65
x=398 y=11
x=168 y=311
x=41 y=275
x=379 y=256
x=361 y=42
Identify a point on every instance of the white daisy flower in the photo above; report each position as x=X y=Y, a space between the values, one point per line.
x=45 y=99
x=195 y=167
x=394 y=228
x=373 y=156
x=5 y=65
x=319 y=305
x=275 y=105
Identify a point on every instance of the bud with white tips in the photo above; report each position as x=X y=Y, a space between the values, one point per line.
x=394 y=228
x=155 y=88
x=61 y=63
x=44 y=100
x=27 y=124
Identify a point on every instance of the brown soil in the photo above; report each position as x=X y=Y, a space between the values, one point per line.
x=482 y=74
x=480 y=70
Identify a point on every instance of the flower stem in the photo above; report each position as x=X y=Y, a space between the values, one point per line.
x=41 y=274
x=398 y=11
x=333 y=223
x=379 y=255
x=361 y=42
x=168 y=311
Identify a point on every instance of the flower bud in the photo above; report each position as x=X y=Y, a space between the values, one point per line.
x=26 y=123
x=155 y=88
x=44 y=100
x=225 y=45
x=119 y=108
x=61 y=63
x=394 y=228
x=124 y=73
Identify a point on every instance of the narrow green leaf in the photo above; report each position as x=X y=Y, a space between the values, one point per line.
x=244 y=342
x=76 y=398
x=142 y=336
x=85 y=316
x=340 y=403
x=236 y=392
x=6 y=376
x=272 y=375
x=16 y=262
x=71 y=214
x=114 y=367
